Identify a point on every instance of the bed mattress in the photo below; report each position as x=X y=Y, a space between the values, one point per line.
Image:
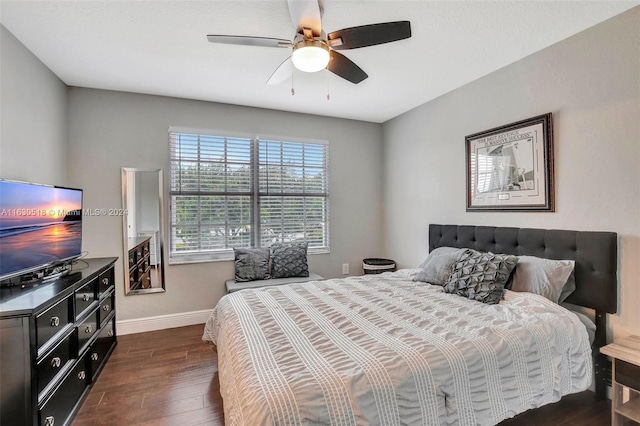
x=382 y=349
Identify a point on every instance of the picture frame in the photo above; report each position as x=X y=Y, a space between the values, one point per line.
x=510 y=168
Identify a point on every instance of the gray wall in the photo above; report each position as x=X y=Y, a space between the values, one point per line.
x=33 y=123
x=591 y=84
x=109 y=130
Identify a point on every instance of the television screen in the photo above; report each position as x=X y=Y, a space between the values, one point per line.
x=40 y=226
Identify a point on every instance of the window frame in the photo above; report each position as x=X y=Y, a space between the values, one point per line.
x=255 y=194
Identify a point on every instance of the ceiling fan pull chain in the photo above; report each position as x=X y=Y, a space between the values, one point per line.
x=326 y=79
x=293 y=90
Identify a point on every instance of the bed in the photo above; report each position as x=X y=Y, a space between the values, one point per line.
x=383 y=349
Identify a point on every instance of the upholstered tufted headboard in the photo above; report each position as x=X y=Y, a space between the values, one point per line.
x=595 y=254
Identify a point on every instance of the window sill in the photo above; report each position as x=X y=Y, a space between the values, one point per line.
x=222 y=256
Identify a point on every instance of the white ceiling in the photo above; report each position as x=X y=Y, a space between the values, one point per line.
x=160 y=47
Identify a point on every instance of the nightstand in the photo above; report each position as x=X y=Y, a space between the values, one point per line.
x=625 y=374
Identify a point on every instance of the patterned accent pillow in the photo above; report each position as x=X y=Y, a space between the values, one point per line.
x=480 y=275
x=251 y=264
x=289 y=260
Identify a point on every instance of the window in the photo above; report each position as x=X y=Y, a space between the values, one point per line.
x=234 y=191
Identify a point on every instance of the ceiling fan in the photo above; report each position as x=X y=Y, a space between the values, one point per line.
x=313 y=50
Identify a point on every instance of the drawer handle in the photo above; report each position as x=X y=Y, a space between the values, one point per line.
x=88 y=329
x=105 y=308
x=85 y=297
x=49 y=421
x=94 y=356
x=81 y=375
x=55 y=321
x=110 y=333
x=105 y=281
x=55 y=362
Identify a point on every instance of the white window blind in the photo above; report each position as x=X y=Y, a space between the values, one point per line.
x=228 y=192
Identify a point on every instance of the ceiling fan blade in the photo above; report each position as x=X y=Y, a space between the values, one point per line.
x=282 y=73
x=249 y=41
x=306 y=14
x=343 y=67
x=369 y=35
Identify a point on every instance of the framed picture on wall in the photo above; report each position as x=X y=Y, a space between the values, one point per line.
x=510 y=168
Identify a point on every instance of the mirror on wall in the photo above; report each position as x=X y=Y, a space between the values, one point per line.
x=142 y=230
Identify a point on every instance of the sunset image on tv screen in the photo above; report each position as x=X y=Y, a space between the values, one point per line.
x=39 y=225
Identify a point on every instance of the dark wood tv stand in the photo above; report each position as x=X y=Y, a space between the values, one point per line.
x=55 y=338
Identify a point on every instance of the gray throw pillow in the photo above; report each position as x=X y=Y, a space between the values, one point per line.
x=436 y=269
x=545 y=277
x=289 y=260
x=251 y=264
x=480 y=275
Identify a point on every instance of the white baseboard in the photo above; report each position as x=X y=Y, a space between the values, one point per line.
x=161 y=322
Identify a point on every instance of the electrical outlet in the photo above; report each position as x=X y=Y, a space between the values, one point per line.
x=345 y=269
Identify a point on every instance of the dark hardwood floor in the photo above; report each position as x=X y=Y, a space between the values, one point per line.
x=166 y=377
x=170 y=377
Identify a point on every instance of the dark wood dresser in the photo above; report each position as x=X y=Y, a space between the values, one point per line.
x=139 y=263
x=55 y=337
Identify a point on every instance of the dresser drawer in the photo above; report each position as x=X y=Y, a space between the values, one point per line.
x=54 y=362
x=53 y=321
x=85 y=296
x=145 y=280
x=105 y=282
x=86 y=330
x=106 y=307
x=133 y=278
x=99 y=349
x=57 y=409
x=145 y=262
x=628 y=374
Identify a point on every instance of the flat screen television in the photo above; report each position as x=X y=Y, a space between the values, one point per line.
x=40 y=227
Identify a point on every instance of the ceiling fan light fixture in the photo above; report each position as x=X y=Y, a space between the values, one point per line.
x=310 y=55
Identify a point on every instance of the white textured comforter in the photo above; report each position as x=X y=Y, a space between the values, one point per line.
x=381 y=349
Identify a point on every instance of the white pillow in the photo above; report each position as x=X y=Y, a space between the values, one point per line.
x=545 y=277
